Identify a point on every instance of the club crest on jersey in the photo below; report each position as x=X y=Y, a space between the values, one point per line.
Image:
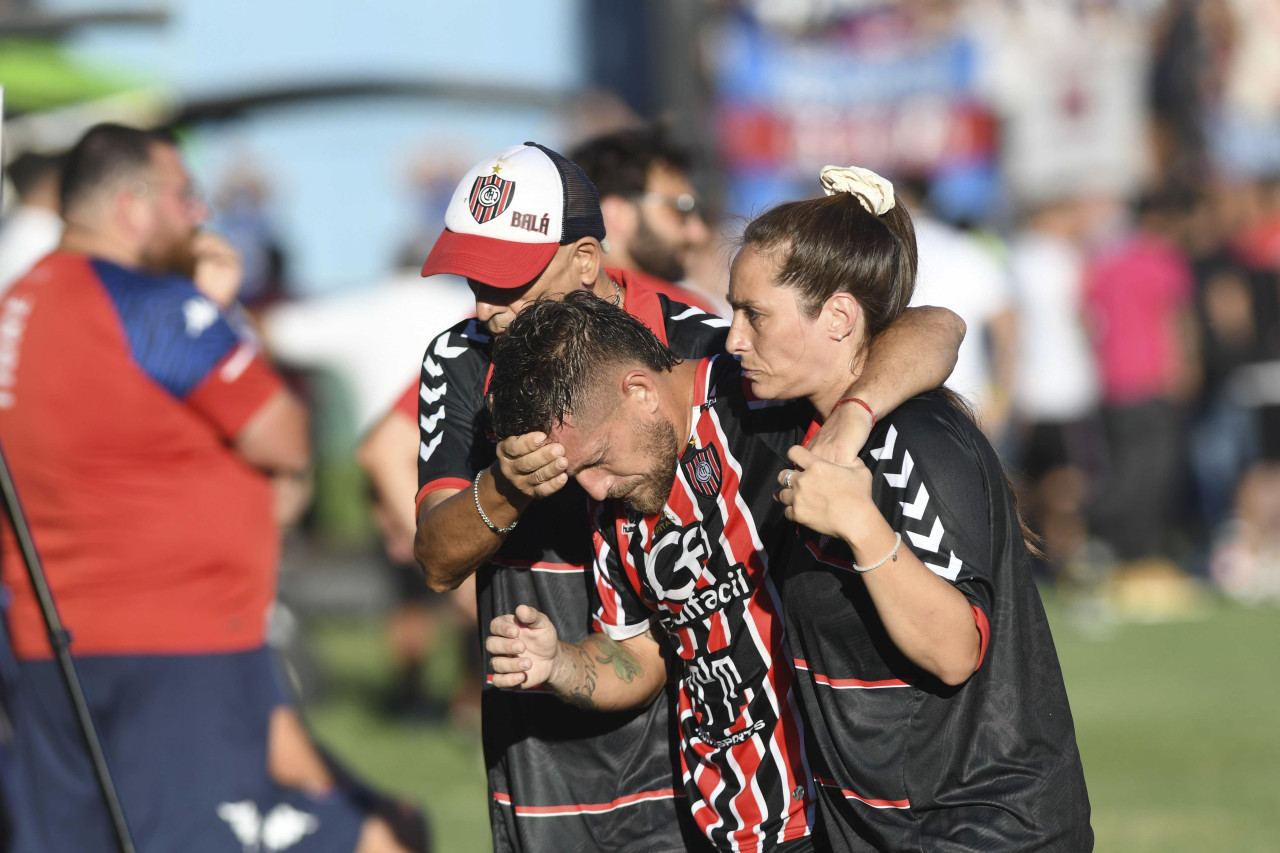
x=490 y=196
x=703 y=469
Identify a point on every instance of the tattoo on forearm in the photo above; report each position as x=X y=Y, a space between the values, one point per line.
x=583 y=677
x=625 y=665
x=582 y=682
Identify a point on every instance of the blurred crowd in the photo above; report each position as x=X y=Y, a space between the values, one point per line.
x=1125 y=358
x=1123 y=345
x=1113 y=247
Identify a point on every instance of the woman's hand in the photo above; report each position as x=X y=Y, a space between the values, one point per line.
x=825 y=497
x=928 y=619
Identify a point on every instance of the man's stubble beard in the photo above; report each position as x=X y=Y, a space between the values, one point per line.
x=171 y=256
x=654 y=255
x=658 y=441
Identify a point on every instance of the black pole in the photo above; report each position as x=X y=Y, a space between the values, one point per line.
x=60 y=640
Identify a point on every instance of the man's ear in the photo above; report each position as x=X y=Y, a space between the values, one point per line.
x=840 y=315
x=586 y=260
x=621 y=218
x=640 y=394
x=127 y=210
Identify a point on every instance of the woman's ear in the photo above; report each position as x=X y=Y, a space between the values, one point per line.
x=840 y=315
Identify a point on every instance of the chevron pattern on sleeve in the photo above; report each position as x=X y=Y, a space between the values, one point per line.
x=917 y=516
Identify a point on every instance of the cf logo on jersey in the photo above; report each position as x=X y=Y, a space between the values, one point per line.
x=687 y=562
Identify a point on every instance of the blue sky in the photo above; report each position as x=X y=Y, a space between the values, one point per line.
x=338 y=167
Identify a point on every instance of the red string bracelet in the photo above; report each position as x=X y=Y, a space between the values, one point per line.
x=862 y=403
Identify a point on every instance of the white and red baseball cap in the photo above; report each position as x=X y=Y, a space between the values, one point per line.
x=511 y=212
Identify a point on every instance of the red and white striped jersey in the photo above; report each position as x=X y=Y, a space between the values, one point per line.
x=703 y=566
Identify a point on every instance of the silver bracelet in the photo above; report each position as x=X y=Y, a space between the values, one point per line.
x=475 y=493
x=893 y=555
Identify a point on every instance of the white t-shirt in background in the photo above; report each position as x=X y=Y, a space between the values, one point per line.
x=958 y=273
x=373 y=339
x=1056 y=378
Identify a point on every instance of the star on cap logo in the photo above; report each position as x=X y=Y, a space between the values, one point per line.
x=490 y=196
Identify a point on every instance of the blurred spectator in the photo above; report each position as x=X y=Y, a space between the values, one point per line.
x=960 y=273
x=653 y=222
x=1236 y=453
x=372 y=337
x=156 y=520
x=1182 y=82
x=1059 y=437
x=1070 y=82
x=1258 y=240
x=243 y=216
x=1230 y=312
x=373 y=340
x=33 y=227
x=29 y=232
x=1138 y=294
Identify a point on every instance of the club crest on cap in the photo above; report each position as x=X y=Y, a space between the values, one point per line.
x=490 y=197
x=703 y=469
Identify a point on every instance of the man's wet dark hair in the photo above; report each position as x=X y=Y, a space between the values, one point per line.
x=618 y=163
x=105 y=154
x=557 y=352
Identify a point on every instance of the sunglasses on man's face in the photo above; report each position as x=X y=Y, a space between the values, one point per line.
x=684 y=204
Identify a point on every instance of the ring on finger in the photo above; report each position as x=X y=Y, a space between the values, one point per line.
x=786 y=479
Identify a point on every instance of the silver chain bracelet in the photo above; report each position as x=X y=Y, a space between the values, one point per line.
x=475 y=493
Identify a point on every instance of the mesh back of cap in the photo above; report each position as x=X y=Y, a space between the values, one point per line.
x=582 y=217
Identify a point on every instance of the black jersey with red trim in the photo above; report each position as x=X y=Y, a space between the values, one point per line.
x=905 y=762
x=703 y=566
x=560 y=778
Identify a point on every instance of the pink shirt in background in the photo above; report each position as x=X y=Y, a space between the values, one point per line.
x=1134 y=294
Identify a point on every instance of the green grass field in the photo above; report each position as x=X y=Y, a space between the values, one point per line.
x=1179 y=727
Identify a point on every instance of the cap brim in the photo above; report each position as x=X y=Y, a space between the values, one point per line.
x=497 y=263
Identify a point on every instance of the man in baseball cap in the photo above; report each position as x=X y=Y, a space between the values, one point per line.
x=510 y=215
x=522 y=224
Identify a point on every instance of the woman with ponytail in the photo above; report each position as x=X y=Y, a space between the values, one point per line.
x=938 y=719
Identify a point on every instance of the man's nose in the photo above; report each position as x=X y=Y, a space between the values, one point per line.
x=595 y=483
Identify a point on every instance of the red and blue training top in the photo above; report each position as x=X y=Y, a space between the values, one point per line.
x=120 y=395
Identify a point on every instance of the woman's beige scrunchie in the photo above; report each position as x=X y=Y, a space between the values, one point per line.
x=875 y=192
